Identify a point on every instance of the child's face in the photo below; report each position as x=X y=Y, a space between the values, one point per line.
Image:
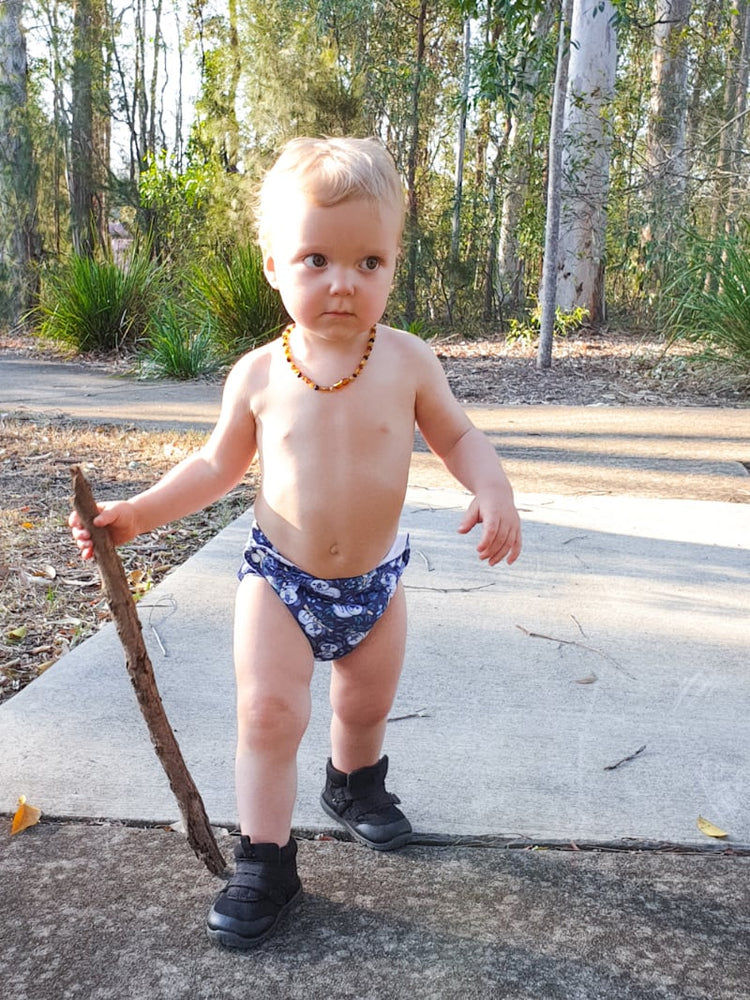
x=333 y=265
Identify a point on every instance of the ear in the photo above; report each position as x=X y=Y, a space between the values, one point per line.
x=269 y=268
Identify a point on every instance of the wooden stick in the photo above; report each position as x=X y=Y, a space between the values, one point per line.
x=199 y=833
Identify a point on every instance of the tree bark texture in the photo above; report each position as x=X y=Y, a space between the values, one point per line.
x=586 y=158
x=199 y=833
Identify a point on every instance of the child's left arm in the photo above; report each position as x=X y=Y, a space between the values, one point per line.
x=469 y=456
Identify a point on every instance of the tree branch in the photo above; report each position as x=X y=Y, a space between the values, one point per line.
x=199 y=833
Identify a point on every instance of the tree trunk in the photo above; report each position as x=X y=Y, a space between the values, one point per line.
x=510 y=267
x=19 y=239
x=412 y=215
x=458 y=186
x=586 y=157
x=666 y=160
x=735 y=107
x=548 y=297
x=89 y=146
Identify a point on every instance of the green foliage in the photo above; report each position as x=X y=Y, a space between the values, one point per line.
x=96 y=305
x=185 y=211
x=565 y=324
x=244 y=310
x=419 y=328
x=175 y=349
x=713 y=301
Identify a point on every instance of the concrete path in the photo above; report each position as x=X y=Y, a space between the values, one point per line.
x=622 y=632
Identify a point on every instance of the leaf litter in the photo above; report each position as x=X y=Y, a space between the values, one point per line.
x=49 y=600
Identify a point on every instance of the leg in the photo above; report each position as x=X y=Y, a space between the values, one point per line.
x=363 y=686
x=273 y=665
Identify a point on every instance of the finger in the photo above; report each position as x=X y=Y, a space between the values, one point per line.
x=509 y=550
x=491 y=540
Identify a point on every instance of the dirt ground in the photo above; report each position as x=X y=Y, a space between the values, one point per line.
x=50 y=601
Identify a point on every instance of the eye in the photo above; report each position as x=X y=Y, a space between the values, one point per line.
x=370 y=264
x=315 y=260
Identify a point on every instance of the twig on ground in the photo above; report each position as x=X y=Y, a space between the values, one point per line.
x=580 y=645
x=632 y=756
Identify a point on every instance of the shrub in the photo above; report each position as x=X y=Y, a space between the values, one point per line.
x=565 y=324
x=713 y=304
x=175 y=349
x=244 y=310
x=97 y=305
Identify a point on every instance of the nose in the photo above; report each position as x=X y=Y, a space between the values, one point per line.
x=342 y=281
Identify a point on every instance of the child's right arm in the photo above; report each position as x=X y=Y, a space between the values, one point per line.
x=197 y=481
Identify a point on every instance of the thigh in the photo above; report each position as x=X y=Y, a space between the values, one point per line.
x=272 y=657
x=368 y=677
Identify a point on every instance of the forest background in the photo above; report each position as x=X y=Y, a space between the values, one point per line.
x=563 y=162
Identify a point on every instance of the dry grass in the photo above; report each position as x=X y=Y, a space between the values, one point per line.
x=49 y=599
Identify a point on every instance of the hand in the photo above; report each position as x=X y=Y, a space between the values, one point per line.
x=501 y=535
x=119 y=519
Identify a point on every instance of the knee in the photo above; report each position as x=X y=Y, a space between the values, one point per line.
x=363 y=712
x=270 y=722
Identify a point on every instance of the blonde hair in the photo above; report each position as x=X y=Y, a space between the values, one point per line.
x=329 y=171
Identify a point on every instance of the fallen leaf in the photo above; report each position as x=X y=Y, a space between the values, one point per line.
x=16 y=634
x=24 y=817
x=589 y=679
x=709 y=829
x=48 y=573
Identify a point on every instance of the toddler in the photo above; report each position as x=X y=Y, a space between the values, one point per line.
x=330 y=409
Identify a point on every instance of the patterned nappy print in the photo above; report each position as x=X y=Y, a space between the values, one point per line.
x=335 y=615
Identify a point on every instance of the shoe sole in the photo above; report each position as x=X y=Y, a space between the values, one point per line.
x=236 y=942
x=390 y=845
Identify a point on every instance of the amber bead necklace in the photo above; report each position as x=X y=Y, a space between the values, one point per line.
x=314 y=385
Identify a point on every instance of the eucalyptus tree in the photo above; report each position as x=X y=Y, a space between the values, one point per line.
x=666 y=168
x=548 y=295
x=528 y=66
x=19 y=239
x=90 y=124
x=587 y=137
x=730 y=178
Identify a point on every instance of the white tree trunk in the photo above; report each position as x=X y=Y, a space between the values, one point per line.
x=586 y=156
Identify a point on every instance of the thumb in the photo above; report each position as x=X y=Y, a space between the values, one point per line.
x=470 y=519
x=106 y=515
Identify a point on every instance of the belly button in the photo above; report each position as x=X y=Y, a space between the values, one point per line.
x=334 y=549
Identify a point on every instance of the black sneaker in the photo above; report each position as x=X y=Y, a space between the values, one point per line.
x=360 y=803
x=264 y=886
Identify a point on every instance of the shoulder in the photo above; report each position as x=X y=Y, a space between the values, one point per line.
x=254 y=364
x=250 y=373
x=408 y=347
